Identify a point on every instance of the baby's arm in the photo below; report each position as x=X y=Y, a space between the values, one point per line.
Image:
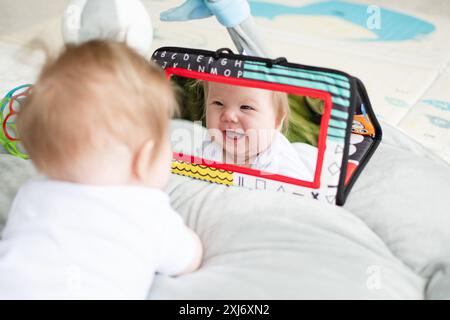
x=195 y=264
x=181 y=250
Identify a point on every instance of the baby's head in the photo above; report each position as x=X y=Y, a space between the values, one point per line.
x=99 y=114
x=244 y=120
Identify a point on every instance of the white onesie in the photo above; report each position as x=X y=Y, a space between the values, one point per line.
x=73 y=241
x=293 y=160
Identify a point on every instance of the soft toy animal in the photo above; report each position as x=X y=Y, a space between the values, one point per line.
x=233 y=14
x=121 y=20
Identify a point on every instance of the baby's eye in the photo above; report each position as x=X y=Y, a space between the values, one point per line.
x=246 y=107
x=217 y=103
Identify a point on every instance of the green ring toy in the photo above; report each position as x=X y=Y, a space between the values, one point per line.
x=11 y=146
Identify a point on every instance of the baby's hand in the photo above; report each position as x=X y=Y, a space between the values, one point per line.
x=181 y=248
x=196 y=262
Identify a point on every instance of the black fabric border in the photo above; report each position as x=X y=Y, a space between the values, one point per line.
x=344 y=190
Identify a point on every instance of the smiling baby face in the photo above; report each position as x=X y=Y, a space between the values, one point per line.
x=243 y=120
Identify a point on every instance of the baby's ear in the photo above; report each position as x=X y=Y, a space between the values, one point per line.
x=142 y=159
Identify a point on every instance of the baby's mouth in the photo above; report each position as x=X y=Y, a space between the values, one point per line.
x=234 y=134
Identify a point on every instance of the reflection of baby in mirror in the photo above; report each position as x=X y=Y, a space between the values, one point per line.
x=244 y=128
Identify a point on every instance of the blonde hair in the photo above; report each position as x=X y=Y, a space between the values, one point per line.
x=280 y=100
x=90 y=95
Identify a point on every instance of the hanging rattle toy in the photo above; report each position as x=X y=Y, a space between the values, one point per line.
x=9 y=108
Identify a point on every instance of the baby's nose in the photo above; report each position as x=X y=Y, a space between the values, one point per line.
x=228 y=115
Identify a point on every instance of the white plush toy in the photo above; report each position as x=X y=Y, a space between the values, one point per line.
x=120 y=20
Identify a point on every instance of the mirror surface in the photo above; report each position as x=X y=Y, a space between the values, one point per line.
x=271 y=132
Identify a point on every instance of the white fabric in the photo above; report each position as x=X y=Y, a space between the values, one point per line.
x=65 y=240
x=121 y=20
x=280 y=158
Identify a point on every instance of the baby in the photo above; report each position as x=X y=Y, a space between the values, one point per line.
x=98 y=224
x=244 y=128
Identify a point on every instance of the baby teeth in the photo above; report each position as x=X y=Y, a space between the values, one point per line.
x=231 y=134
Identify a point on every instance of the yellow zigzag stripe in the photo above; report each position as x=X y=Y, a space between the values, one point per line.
x=203 y=172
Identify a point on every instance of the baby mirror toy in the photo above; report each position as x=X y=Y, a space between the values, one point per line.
x=269 y=124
